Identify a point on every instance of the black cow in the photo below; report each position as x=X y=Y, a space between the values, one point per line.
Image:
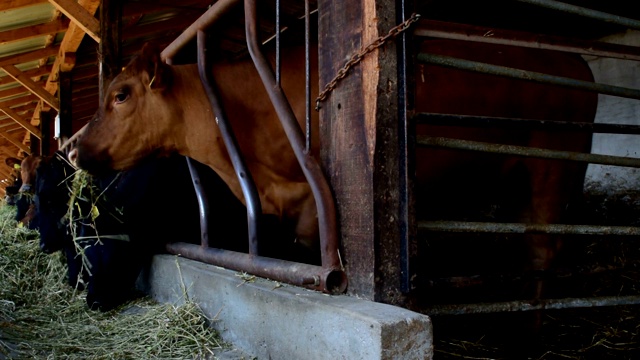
x=138 y=211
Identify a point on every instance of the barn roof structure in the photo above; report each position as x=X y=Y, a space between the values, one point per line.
x=39 y=39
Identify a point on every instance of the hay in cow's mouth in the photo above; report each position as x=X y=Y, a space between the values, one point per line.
x=42 y=317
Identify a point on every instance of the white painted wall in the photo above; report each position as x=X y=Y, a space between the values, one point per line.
x=611 y=109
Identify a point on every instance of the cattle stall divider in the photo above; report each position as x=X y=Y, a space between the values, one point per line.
x=329 y=277
x=436 y=29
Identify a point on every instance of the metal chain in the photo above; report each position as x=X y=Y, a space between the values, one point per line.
x=355 y=59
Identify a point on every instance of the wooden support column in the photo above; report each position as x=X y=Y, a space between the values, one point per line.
x=363 y=149
x=110 y=31
x=65 y=97
x=45 y=143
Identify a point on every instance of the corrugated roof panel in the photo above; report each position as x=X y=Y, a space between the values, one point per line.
x=26 y=16
x=16 y=47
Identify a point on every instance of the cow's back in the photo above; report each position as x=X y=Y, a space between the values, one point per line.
x=466 y=176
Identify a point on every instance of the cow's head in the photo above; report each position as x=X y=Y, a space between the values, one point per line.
x=51 y=200
x=135 y=119
x=28 y=168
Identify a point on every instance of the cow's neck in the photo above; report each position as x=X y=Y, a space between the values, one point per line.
x=202 y=141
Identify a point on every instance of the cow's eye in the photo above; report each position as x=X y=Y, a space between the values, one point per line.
x=120 y=96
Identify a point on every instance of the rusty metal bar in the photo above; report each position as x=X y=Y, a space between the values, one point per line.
x=307 y=75
x=310 y=168
x=475 y=66
x=251 y=197
x=278 y=60
x=520 y=228
x=530 y=305
x=463 y=32
x=203 y=203
x=213 y=14
x=527 y=151
x=533 y=124
x=310 y=276
x=589 y=13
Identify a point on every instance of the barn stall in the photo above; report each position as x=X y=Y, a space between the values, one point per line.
x=368 y=119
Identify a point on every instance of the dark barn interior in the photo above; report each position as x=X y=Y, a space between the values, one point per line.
x=49 y=68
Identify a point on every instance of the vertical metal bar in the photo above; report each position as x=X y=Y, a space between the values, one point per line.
x=203 y=204
x=311 y=169
x=403 y=142
x=307 y=75
x=278 y=62
x=252 y=200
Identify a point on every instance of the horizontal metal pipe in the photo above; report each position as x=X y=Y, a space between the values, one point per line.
x=213 y=14
x=531 y=305
x=526 y=151
x=585 y=12
x=464 y=32
x=533 y=124
x=484 y=68
x=519 y=228
x=330 y=281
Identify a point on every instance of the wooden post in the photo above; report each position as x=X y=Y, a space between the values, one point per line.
x=34 y=145
x=65 y=98
x=363 y=151
x=109 y=48
x=45 y=123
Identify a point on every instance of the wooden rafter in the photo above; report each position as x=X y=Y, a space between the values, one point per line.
x=30 y=56
x=15 y=142
x=32 y=73
x=70 y=44
x=17 y=118
x=52 y=27
x=37 y=90
x=20 y=101
x=80 y=16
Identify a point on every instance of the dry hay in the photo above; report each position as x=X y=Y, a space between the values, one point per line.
x=42 y=317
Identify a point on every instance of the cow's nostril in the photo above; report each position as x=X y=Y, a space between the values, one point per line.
x=73 y=156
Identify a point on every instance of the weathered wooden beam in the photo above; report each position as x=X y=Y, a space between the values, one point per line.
x=15 y=142
x=37 y=90
x=17 y=90
x=32 y=73
x=80 y=16
x=72 y=39
x=19 y=101
x=45 y=141
x=110 y=47
x=32 y=31
x=361 y=144
x=29 y=56
x=17 y=118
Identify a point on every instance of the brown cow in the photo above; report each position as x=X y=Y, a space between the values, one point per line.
x=511 y=189
x=151 y=106
x=26 y=208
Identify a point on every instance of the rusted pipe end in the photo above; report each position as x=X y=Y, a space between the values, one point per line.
x=335 y=282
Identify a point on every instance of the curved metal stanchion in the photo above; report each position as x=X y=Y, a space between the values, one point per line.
x=252 y=200
x=310 y=168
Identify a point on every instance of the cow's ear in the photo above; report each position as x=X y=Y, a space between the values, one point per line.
x=158 y=73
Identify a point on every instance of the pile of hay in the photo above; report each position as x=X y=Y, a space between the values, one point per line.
x=42 y=317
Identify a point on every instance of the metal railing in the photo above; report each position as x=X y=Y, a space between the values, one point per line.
x=328 y=277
